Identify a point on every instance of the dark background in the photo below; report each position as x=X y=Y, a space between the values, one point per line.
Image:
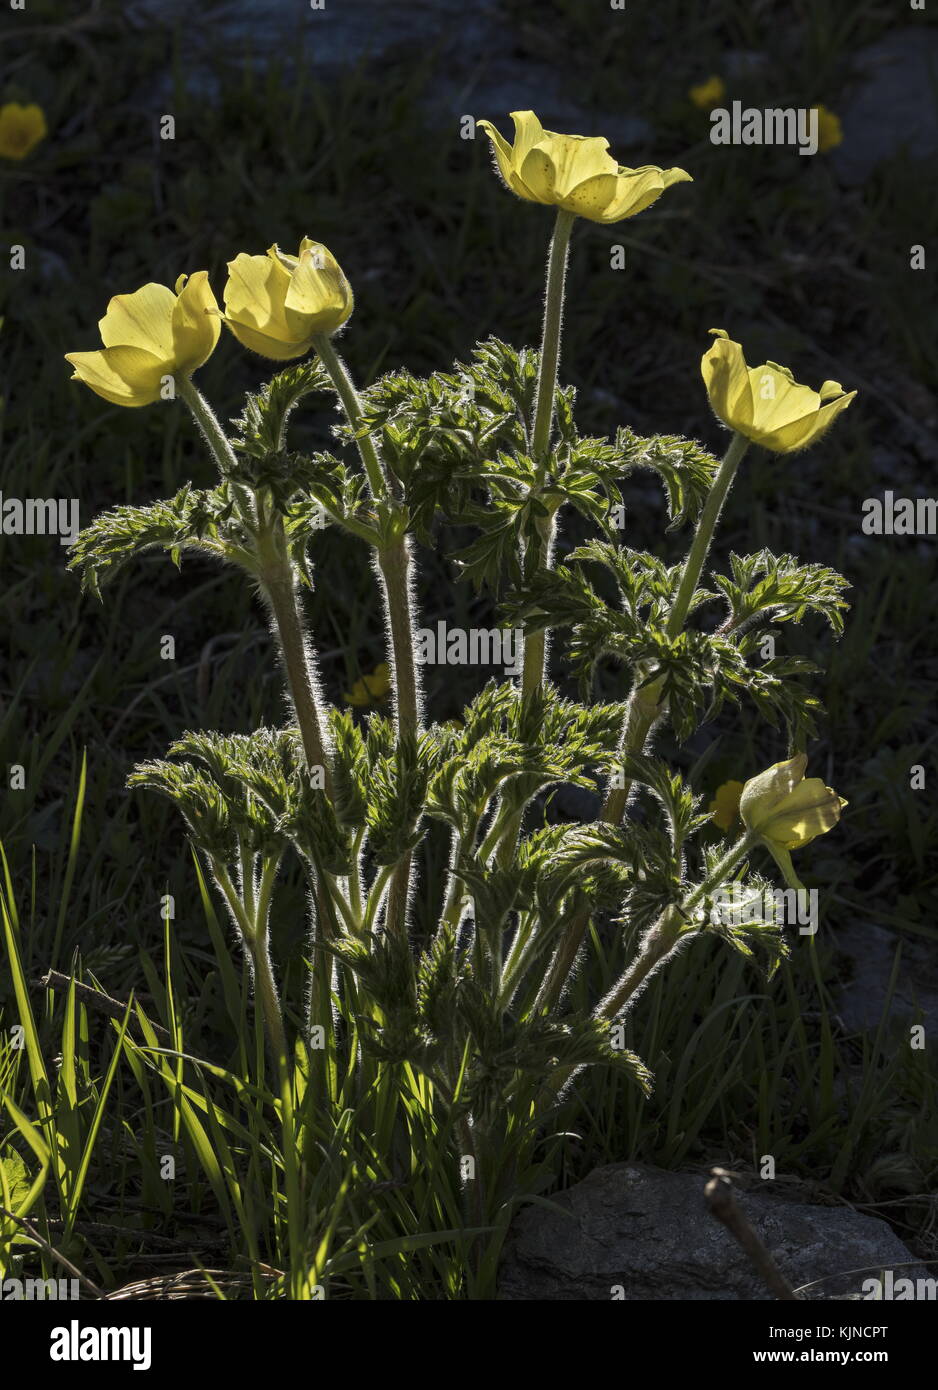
x=344 y=125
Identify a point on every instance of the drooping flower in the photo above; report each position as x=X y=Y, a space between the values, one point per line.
x=766 y=404
x=149 y=335
x=277 y=304
x=575 y=172
x=787 y=811
x=21 y=129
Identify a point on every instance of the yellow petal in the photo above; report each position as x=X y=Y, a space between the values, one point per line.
x=254 y=295
x=142 y=320
x=379 y=682
x=504 y=159
x=122 y=375
x=807 y=431
x=528 y=133
x=319 y=299
x=811 y=809
x=575 y=159
x=727 y=381
x=637 y=189
x=777 y=400
x=536 y=174
x=592 y=198
x=196 y=323
x=762 y=794
x=277 y=349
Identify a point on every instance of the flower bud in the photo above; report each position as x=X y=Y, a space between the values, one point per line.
x=787 y=811
x=277 y=304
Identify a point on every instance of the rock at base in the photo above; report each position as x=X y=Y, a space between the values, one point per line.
x=651 y=1233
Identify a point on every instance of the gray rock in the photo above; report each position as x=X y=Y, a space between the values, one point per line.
x=478 y=71
x=893 y=105
x=651 y=1232
x=871 y=951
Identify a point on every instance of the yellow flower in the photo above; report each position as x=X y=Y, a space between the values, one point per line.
x=148 y=335
x=370 y=689
x=724 y=808
x=21 y=129
x=765 y=403
x=708 y=94
x=830 y=133
x=277 y=304
x=787 y=810
x=575 y=172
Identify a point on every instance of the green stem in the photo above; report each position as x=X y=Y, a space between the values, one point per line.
x=395 y=565
x=535 y=644
x=265 y=891
x=266 y=991
x=663 y=936
x=550 y=338
x=217 y=441
x=703 y=535
x=255 y=940
x=374 y=896
x=658 y=944
x=279 y=587
x=207 y=422
x=355 y=879
x=345 y=389
x=645 y=706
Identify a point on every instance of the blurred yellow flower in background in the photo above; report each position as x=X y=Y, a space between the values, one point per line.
x=21 y=129
x=708 y=94
x=724 y=808
x=830 y=132
x=370 y=689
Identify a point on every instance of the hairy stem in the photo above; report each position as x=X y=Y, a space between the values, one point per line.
x=703 y=535
x=254 y=935
x=645 y=706
x=659 y=942
x=352 y=407
x=535 y=644
x=550 y=338
x=217 y=441
x=280 y=590
x=395 y=566
x=663 y=936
